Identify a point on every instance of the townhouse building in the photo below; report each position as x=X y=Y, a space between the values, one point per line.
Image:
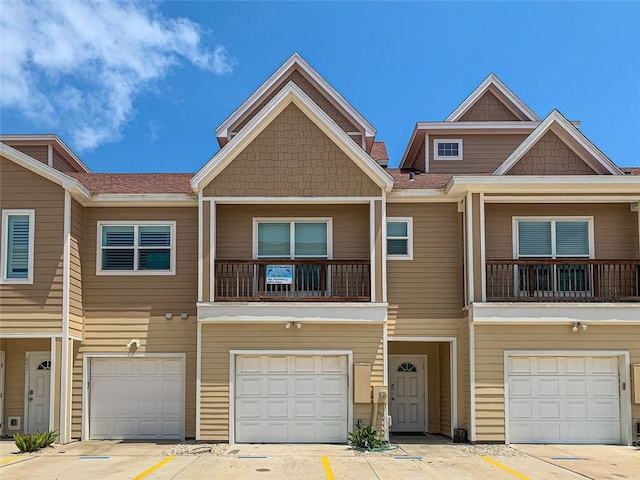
x=296 y=284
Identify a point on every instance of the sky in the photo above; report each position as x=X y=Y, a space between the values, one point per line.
x=141 y=86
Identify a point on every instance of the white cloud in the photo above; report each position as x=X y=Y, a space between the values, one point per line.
x=78 y=66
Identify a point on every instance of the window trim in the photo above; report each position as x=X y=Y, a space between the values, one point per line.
x=120 y=223
x=436 y=141
x=4 y=246
x=553 y=219
x=409 y=254
x=292 y=221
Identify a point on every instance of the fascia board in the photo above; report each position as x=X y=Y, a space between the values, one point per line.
x=406 y=150
x=514 y=125
x=291 y=93
x=144 y=199
x=46 y=138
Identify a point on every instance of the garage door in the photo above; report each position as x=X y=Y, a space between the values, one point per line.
x=291 y=398
x=564 y=399
x=136 y=398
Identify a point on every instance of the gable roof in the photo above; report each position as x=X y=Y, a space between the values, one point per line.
x=379 y=153
x=595 y=158
x=490 y=83
x=291 y=93
x=51 y=139
x=299 y=62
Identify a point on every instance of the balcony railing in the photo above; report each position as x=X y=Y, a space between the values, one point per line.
x=296 y=280
x=563 y=280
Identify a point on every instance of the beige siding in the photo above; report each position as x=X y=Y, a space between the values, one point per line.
x=120 y=308
x=482 y=153
x=234 y=227
x=425 y=294
x=488 y=108
x=312 y=91
x=492 y=340
x=615 y=225
x=418 y=160
x=551 y=156
x=445 y=388
x=59 y=163
x=76 y=309
x=292 y=157
x=477 y=250
x=36 y=307
x=15 y=351
x=464 y=381
x=39 y=152
x=206 y=250
x=217 y=340
x=377 y=232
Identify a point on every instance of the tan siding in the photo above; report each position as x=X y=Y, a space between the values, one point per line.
x=615 y=225
x=492 y=340
x=76 y=310
x=477 y=250
x=42 y=300
x=464 y=382
x=206 y=250
x=235 y=227
x=120 y=308
x=418 y=161
x=551 y=156
x=425 y=294
x=312 y=91
x=218 y=340
x=292 y=157
x=482 y=153
x=39 y=152
x=378 y=250
x=488 y=108
x=445 y=389
x=59 y=163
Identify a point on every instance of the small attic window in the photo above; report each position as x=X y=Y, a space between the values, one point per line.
x=447 y=149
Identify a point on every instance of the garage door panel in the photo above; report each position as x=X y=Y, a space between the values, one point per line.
x=547 y=365
x=520 y=387
x=248 y=364
x=249 y=386
x=276 y=386
x=304 y=364
x=304 y=386
x=124 y=367
x=304 y=408
x=548 y=386
x=605 y=366
x=277 y=408
x=277 y=364
x=605 y=387
x=548 y=410
x=576 y=366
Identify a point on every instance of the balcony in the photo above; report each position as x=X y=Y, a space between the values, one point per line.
x=309 y=280
x=563 y=280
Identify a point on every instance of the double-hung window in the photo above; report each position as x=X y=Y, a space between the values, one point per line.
x=554 y=239
x=136 y=248
x=18 y=229
x=400 y=238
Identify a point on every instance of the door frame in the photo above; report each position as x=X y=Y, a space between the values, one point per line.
x=27 y=373
x=623 y=369
x=425 y=384
x=232 y=379
x=86 y=376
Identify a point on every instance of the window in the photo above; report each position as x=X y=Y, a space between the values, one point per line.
x=447 y=149
x=400 y=238
x=141 y=248
x=299 y=238
x=407 y=367
x=18 y=229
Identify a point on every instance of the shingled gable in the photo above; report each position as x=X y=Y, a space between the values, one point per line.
x=569 y=135
x=270 y=86
x=291 y=94
x=488 y=93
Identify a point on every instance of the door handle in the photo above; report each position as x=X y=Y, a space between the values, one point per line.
x=30 y=398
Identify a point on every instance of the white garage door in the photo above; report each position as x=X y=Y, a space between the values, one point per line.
x=564 y=400
x=291 y=398
x=136 y=398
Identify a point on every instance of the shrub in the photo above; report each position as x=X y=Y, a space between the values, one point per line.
x=365 y=438
x=32 y=442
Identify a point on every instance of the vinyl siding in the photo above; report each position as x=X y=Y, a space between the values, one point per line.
x=217 y=340
x=59 y=163
x=492 y=340
x=120 y=308
x=615 y=226
x=37 y=307
x=464 y=380
x=425 y=294
x=38 y=152
x=76 y=309
x=292 y=157
x=445 y=388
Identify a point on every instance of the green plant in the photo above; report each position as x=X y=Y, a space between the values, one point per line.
x=365 y=438
x=32 y=442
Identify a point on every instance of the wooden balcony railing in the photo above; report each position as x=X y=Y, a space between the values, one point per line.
x=563 y=280
x=311 y=280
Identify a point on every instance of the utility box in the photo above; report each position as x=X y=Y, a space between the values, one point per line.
x=380 y=394
x=635 y=381
x=362 y=383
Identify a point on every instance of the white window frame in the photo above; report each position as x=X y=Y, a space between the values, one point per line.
x=553 y=220
x=292 y=234
x=409 y=254
x=135 y=225
x=4 y=248
x=447 y=140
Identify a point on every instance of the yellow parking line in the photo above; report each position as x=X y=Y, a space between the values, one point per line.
x=327 y=468
x=12 y=459
x=505 y=468
x=149 y=471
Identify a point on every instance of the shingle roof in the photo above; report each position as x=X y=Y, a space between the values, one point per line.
x=132 y=183
x=402 y=179
x=631 y=170
x=379 y=153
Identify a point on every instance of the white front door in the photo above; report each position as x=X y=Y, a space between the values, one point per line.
x=38 y=370
x=407 y=391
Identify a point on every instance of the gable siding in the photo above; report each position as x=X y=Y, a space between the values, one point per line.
x=312 y=92
x=292 y=157
x=59 y=163
x=482 y=153
x=488 y=108
x=551 y=156
x=35 y=307
x=38 y=152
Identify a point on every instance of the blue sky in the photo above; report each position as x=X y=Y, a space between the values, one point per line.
x=140 y=87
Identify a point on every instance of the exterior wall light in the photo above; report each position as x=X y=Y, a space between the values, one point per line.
x=168 y=315
x=288 y=325
x=184 y=315
x=577 y=326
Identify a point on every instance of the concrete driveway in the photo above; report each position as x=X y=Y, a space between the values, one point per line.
x=126 y=460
